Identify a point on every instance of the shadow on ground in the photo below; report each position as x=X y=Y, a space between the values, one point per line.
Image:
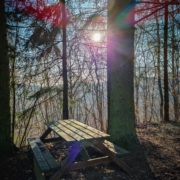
x=156 y=156
x=136 y=160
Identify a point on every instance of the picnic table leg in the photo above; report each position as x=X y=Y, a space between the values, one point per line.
x=44 y=135
x=114 y=157
x=76 y=148
x=85 y=154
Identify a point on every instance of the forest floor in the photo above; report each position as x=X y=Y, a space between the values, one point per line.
x=156 y=156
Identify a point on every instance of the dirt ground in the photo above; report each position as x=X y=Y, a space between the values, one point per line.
x=156 y=156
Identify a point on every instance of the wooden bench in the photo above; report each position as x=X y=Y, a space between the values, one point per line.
x=44 y=162
x=115 y=149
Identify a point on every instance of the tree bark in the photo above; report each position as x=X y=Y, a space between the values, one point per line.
x=65 y=80
x=120 y=65
x=5 y=121
x=159 y=69
x=174 y=74
x=166 y=84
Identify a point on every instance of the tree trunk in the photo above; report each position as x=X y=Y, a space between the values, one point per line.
x=65 y=80
x=120 y=65
x=166 y=84
x=137 y=82
x=159 y=69
x=5 y=122
x=174 y=75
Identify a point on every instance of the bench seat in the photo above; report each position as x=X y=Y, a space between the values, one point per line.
x=44 y=159
x=115 y=149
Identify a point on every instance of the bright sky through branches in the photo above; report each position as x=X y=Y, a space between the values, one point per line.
x=96 y=37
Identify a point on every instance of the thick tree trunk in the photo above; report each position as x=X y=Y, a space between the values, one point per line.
x=5 y=122
x=120 y=65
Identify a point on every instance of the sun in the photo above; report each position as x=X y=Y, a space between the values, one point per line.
x=96 y=37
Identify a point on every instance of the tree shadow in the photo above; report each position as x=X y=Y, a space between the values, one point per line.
x=136 y=160
x=174 y=123
x=164 y=163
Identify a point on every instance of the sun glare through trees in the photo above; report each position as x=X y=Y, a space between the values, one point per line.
x=96 y=37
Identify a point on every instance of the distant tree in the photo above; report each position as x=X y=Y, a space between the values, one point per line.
x=65 y=79
x=5 y=121
x=120 y=65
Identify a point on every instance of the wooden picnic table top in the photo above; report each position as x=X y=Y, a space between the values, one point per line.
x=72 y=130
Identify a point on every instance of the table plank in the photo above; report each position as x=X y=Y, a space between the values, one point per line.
x=38 y=155
x=49 y=158
x=79 y=128
x=90 y=162
x=114 y=148
x=75 y=130
x=68 y=131
x=63 y=134
x=91 y=129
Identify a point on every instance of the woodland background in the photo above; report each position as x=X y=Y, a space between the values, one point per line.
x=35 y=45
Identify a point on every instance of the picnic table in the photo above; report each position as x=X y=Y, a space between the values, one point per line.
x=79 y=136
